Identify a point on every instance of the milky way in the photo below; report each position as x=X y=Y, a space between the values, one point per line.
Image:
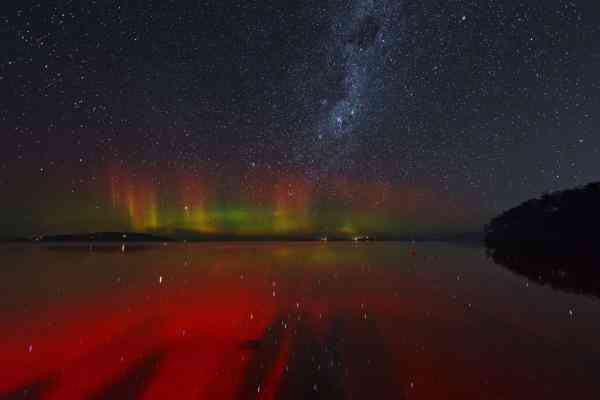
x=474 y=106
x=360 y=36
x=359 y=46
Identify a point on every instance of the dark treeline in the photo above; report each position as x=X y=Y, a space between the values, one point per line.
x=552 y=239
x=562 y=222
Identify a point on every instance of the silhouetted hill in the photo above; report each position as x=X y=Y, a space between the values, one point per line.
x=565 y=222
x=11 y=239
x=551 y=239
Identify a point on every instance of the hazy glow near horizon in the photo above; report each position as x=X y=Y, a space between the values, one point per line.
x=281 y=205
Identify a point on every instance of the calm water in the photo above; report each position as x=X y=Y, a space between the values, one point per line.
x=288 y=321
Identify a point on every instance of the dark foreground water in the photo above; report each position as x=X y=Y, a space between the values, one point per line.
x=288 y=321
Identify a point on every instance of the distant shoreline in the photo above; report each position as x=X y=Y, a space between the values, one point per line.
x=135 y=237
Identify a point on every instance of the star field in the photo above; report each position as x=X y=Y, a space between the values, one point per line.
x=445 y=112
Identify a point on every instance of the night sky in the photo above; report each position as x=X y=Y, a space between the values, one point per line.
x=286 y=117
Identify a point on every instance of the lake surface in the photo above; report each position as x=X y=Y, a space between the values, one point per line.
x=287 y=321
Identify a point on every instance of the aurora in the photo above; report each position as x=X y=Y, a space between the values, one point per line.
x=262 y=203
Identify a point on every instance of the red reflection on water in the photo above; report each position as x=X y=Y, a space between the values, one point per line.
x=82 y=350
x=277 y=322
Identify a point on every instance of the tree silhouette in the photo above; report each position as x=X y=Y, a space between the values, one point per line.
x=564 y=222
x=552 y=239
